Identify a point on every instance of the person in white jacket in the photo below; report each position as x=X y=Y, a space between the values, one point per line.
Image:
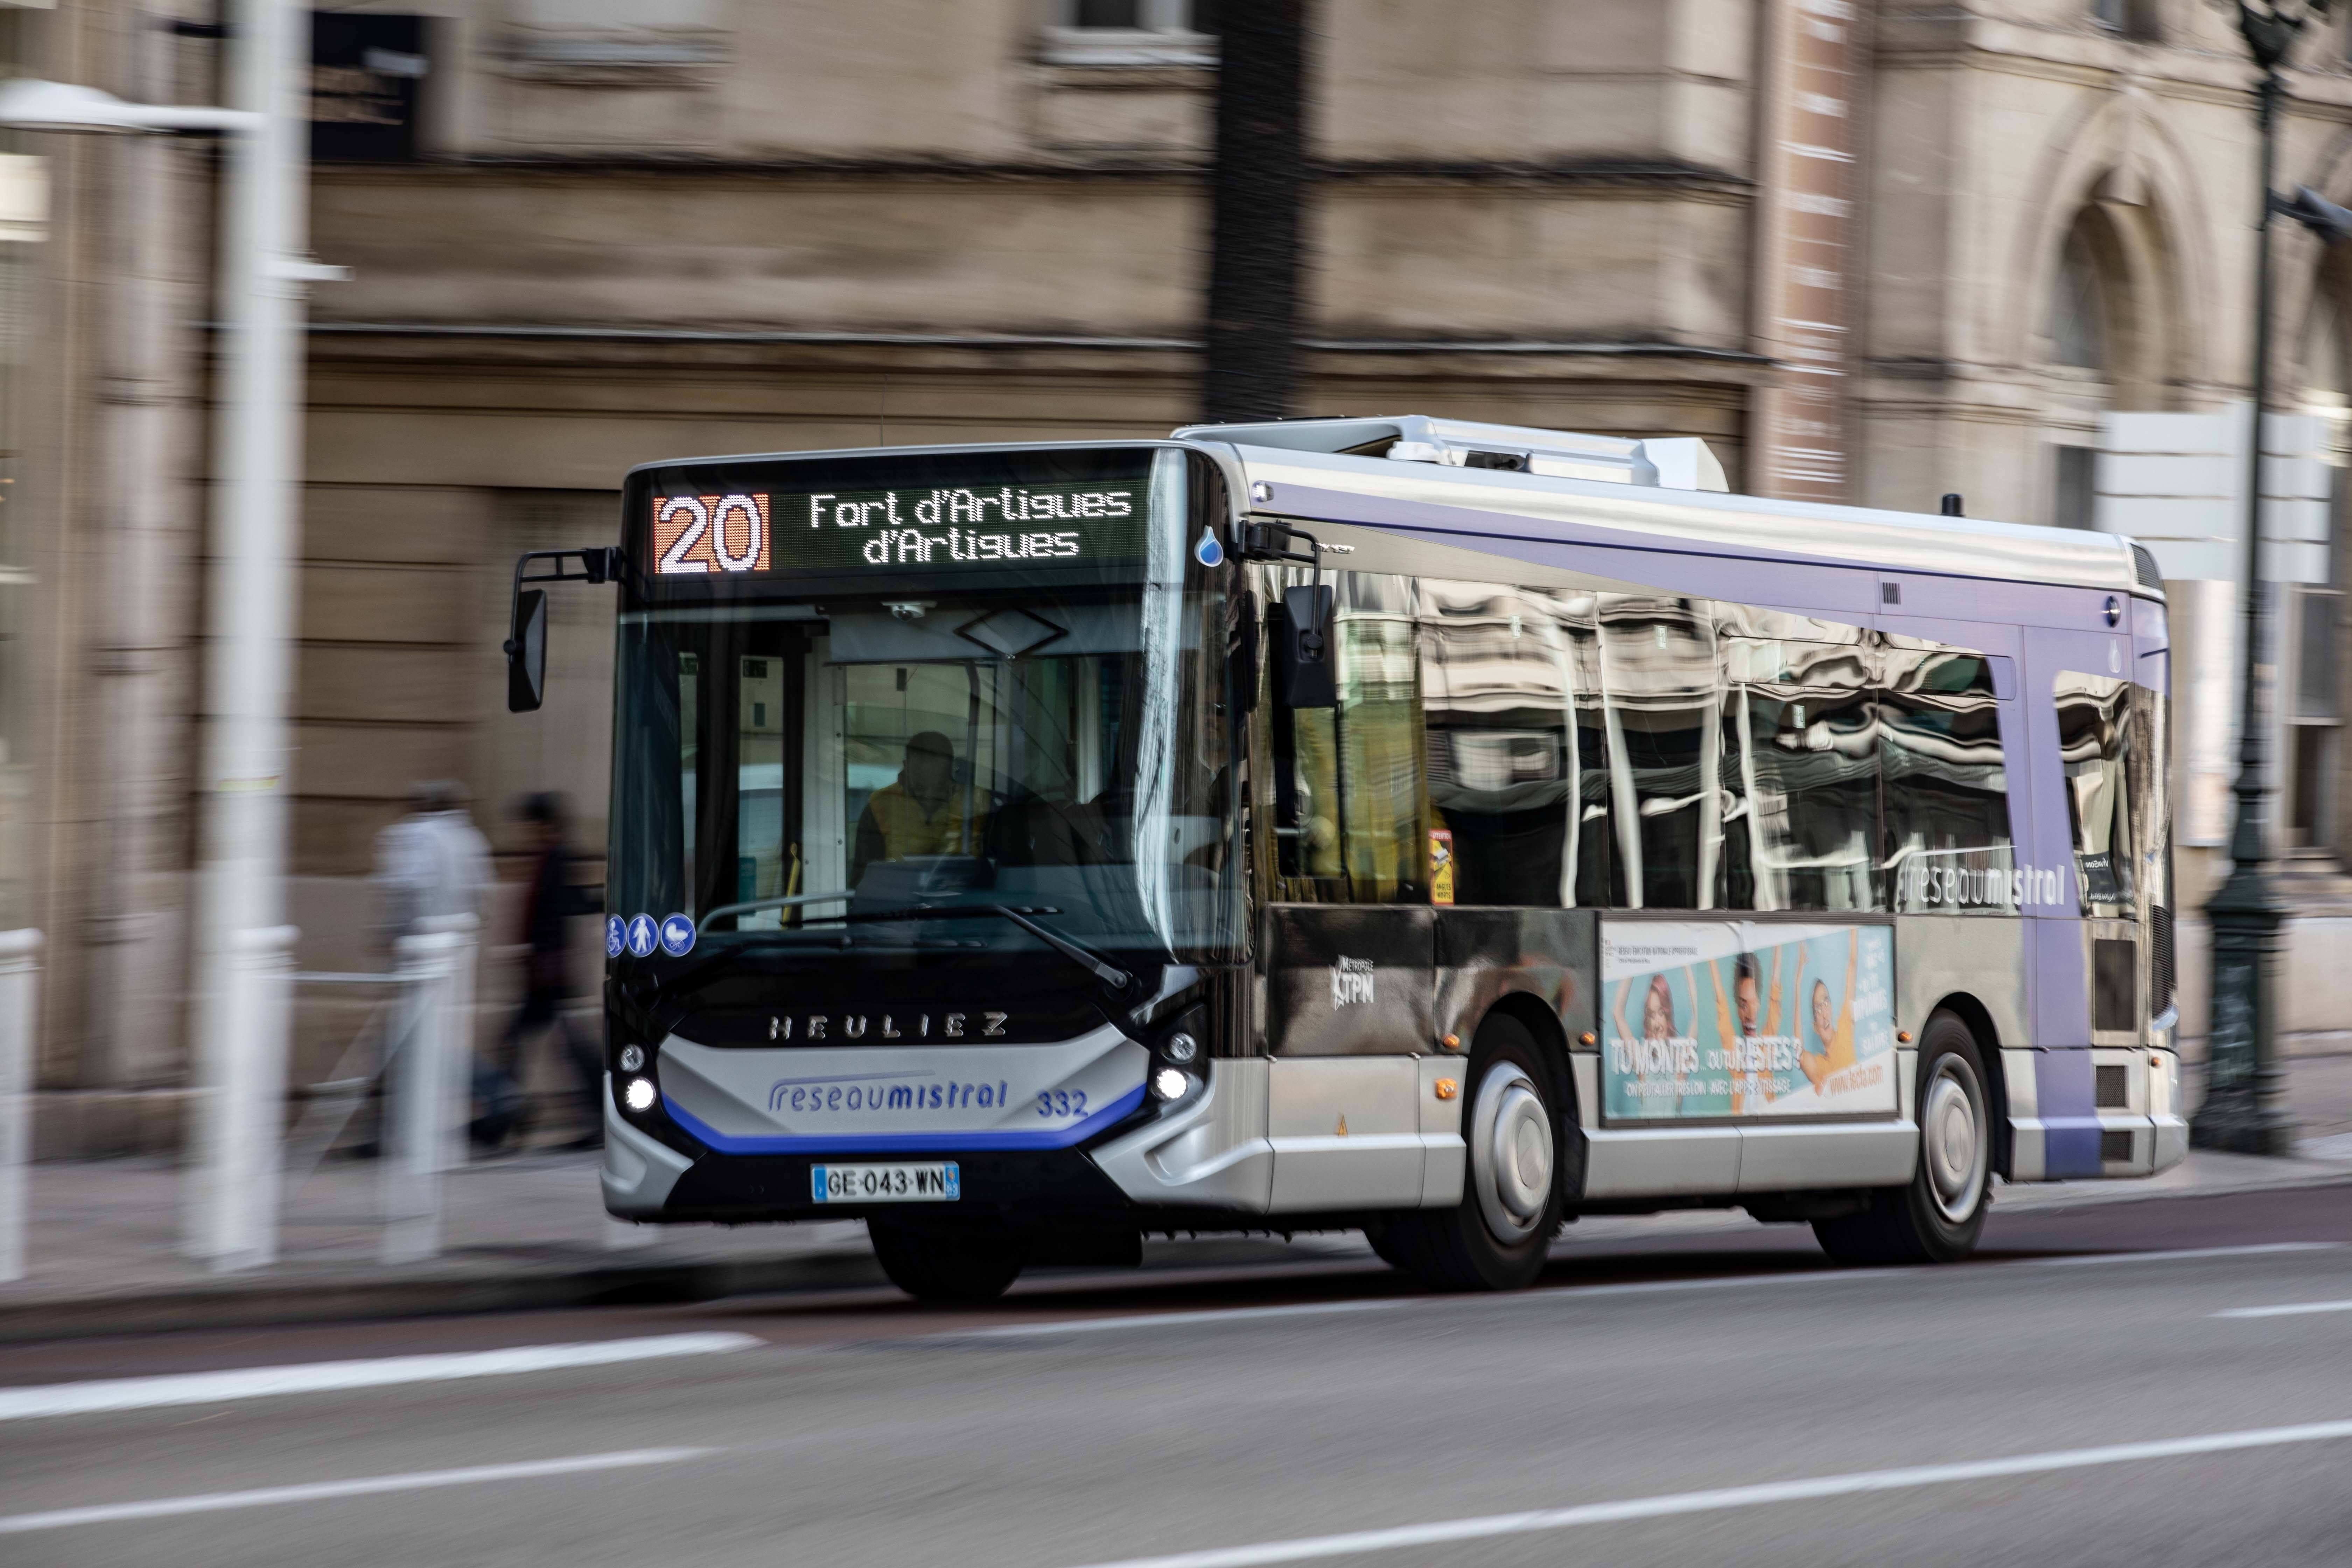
x=431 y=865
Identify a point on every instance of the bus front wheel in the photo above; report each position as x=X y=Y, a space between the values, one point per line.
x=1939 y=1217
x=953 y=1267
x=1498 y=1236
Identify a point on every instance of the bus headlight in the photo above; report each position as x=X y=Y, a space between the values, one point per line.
x=632 y=1058
x=1180 y=1048
x=640 y=1095
x=1170 y=1084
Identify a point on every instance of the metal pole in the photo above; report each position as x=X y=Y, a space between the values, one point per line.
x=240 y=1053
x=1258 y=186
x=2240 y=1111
x=247 y=1130
x=20 y=973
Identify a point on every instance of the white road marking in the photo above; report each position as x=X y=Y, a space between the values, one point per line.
x=363 y=1486
x=2287 y=1309
x=326 y=1376
x=1577 y=1292
x=2251 y=1251
x=1447 y=1532
x=1388 y=1304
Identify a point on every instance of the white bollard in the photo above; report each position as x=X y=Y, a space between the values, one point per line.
x=242 y=1119
x=20 y=978
x=457 y=1067
x=417 y=1099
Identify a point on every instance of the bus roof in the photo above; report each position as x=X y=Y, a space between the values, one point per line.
x=1715 y=523
x=1574 y=511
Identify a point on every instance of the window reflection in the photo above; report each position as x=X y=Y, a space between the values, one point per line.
x=1347 y=787
x=1800 y=778
x=1615 y=750
x=1659 y=685
x=1947 y=788
x=2103 y=747
x=1517 y=770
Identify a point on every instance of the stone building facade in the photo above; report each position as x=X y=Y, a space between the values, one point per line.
x=1870 y=251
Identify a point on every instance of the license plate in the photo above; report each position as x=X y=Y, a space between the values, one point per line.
x=940 y=1184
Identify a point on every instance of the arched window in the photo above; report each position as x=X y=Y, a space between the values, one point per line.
x=2078 y=307
x=2078 y=324
x=2328 y=365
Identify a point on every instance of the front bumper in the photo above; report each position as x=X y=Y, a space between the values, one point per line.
x=640 y=1173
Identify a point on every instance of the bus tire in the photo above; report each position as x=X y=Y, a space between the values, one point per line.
x=1499 y=1236
x=1939 y=1215
x=959 y=1267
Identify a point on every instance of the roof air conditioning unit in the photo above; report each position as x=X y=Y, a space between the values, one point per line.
x=1678 y=462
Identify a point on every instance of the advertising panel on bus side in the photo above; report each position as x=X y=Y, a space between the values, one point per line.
x=1727 y=1017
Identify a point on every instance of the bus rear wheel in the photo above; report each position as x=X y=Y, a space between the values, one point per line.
x=952 y=1266
x=1939 y=1215
x=1498 y=1236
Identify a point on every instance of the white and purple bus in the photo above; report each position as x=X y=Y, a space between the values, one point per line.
x=1439 y=830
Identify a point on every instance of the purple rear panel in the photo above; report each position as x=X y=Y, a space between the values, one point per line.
x=2062 y=990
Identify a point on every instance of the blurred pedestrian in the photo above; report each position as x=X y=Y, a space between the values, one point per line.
x=553 y=899
x=433 y=865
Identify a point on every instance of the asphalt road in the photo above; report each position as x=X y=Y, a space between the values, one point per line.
x=1698 y=1395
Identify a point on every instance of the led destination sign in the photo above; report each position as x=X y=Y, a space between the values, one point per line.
x=1064 y=522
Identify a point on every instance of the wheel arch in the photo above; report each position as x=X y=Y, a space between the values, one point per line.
x=1978 y=1019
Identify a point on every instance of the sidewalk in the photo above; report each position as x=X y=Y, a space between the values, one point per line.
x=529 y=1232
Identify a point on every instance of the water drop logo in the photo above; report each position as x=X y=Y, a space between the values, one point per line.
x=1209 y=552
x=677 y=936
x=616 y=935
x=642 y=937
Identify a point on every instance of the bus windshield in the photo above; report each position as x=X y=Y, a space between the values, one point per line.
x=931 y=749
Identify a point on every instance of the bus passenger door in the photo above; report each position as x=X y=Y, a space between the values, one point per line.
x=1348 y=994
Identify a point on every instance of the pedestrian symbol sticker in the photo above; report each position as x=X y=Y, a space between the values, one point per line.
x=616 y=935
x=642 y=936
x=677 y=936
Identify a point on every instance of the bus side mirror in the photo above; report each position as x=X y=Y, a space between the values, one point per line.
x=526 y=652
x=1305 y=671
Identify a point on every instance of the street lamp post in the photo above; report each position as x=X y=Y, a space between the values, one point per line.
x=2243 y=1083
x=242 y=947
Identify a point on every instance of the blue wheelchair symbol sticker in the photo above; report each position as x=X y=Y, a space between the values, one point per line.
x=616 y=935
x=642 y=936
x=677 y=936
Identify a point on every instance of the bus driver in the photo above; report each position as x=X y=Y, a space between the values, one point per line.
x=920 y=814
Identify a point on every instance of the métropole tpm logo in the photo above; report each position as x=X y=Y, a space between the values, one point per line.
x=1351 y=982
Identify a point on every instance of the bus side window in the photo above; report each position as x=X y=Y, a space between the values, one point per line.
x=1304 y=779
x=2098 y=734
x=1517 y=774
x=1347 y=787
x=1799 y=776
x=1661 y=685
x=1379 y=743
x=1947 y=832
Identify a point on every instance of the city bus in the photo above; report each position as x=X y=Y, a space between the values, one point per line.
x=1436 y=829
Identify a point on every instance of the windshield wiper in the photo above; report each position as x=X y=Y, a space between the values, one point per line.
x=1102 y=969
x=1109 y=973
x=1086 y=958
x=755 y=905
